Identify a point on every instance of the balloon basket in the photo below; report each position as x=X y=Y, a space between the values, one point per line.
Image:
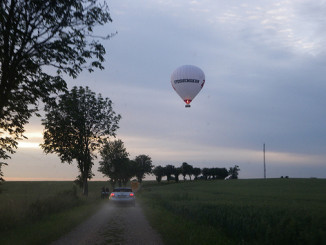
x=187 y=106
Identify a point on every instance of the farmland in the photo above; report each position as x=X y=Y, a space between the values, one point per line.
x=39 y=212
x=274 y=211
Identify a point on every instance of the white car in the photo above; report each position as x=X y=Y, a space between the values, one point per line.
x=123 y=195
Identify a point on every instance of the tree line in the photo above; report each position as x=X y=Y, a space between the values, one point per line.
x=36 y=35
x=172 y=173
x=116 y=165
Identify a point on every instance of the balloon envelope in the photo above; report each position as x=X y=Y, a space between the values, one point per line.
x=187 y=81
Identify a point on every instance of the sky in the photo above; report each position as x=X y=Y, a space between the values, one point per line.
x=264 y=63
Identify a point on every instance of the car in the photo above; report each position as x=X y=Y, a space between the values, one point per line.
x=123 y=195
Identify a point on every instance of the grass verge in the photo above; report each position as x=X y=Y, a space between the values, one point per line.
x=41 y=212
x=49 y=228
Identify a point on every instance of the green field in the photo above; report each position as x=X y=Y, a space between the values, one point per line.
x=274 y=211
x=39 y=212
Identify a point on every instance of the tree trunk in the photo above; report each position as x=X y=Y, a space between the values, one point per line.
x=85 y=186
x=139 y=179
x=176 y=178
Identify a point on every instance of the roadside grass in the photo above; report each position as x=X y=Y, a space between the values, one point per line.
x=40 y=212
x=273 y=211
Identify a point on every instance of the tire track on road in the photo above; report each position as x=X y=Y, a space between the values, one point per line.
x=113 y=225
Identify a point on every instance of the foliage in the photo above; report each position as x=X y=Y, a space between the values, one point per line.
x=177 y=172
x=244 y=212
x=125 y=170
x=143 y=165
x=76 y=126
x=216 y=173
x=186 y=169
x=234 y=172
x=158 y=171
x=196 y=172
x=168 y=171
x=115 y=163
x=35 y=36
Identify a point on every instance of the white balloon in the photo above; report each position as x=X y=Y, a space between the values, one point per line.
x=187 y=81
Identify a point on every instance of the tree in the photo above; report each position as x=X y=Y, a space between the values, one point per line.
x=76 y=126
x=1 y=173
x=234 y=172
x=168 y=171
x=196 y=172
x=205 y=172
x=186 y=170
x=126 y=170
x=190 y=170
x=176 y=173
x=158 y=171
x=222 y=173
x=115 y=163
x=143 y=165
x=35 y=36
x=218 y=173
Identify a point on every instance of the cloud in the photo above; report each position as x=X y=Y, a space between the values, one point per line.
x=264 y=63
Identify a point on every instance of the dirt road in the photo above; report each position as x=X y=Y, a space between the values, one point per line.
x=113 y=226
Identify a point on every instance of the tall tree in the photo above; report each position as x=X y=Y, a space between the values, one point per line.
x=39 y=41
x=76 y=126
x=125 y=171
x=143 y=165
x=115 y=163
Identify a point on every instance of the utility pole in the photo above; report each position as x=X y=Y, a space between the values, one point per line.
x=264 y=162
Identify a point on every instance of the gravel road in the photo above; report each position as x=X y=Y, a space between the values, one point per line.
x=113 y=225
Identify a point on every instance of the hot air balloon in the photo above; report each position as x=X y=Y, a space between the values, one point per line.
x=187 y=81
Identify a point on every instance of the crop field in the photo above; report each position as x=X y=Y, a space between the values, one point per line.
x=273 y=211
x=37 y=212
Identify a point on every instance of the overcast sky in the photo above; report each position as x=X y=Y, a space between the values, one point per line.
x=264 y=63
